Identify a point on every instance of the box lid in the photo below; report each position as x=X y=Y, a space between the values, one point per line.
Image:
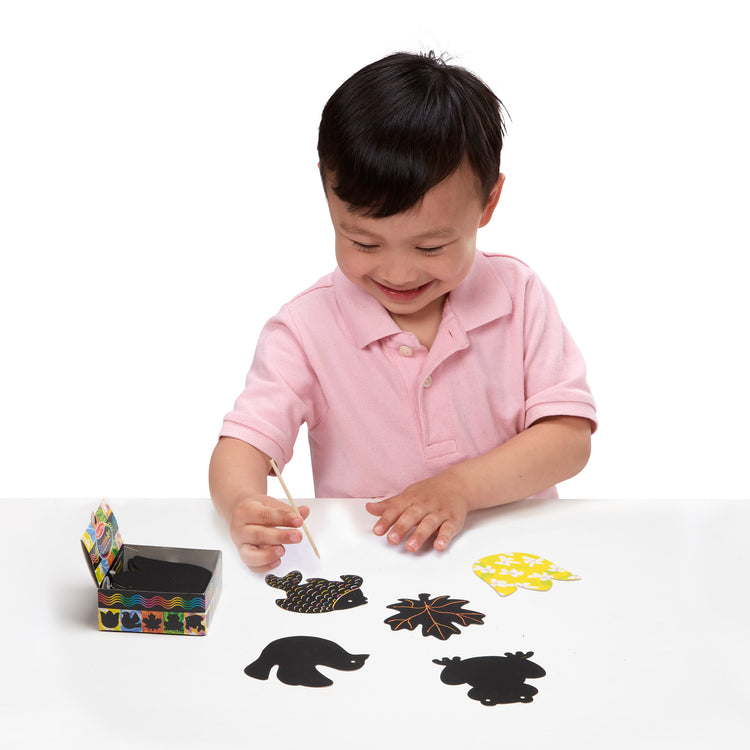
x=101 y=542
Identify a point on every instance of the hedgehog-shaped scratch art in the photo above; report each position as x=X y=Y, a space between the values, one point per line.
x=505 y=572
x=318 y=595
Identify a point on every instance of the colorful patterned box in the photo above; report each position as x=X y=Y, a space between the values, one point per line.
x=148 y=610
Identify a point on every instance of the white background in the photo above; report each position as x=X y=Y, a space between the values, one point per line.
x=159 y=200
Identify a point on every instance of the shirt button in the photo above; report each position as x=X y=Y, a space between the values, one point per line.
x=428 y=381
x=405 y=351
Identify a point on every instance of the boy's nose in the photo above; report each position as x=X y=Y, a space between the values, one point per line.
x=400 y=284
x=398 y=273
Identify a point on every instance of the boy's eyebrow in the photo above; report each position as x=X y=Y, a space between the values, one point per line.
x=436 y=231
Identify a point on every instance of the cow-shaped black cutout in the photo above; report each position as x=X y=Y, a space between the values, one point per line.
x=493 y=679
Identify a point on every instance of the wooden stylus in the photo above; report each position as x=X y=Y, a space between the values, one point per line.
x=291 y=502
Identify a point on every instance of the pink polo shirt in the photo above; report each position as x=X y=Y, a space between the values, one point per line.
x=382 y=410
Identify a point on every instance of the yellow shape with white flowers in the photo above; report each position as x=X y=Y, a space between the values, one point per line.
x=506 y=572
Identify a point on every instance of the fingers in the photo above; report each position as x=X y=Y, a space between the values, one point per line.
x=262 y=536
x=419 y=519
x=398 y=520
x=376 y=508
x=261 y=526
x=445 y=533
x=261 y=559
x=266 y=512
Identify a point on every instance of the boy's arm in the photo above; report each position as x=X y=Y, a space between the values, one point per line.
x=548 y=452
x=259 y=525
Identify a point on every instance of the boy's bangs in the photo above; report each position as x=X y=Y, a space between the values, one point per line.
x=386 y=178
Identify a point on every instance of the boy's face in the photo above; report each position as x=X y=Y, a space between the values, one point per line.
x=411 y=261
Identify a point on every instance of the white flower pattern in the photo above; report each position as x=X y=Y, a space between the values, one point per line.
x=505 y=572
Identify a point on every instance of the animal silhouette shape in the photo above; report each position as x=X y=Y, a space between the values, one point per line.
x=147 y=574
x=195 y=622
x=298 y=657
x=172 y=621
x=318 y=595
x=493 y=679
x=131 y=620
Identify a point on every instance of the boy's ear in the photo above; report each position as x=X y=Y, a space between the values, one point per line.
x=492 y=201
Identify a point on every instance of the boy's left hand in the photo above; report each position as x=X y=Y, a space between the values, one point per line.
x=434 y=505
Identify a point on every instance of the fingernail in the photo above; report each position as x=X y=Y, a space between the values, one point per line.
x=411 y=546
x=393 y=537
x=378 y=529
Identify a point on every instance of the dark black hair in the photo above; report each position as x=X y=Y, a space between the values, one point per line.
x=401 y=125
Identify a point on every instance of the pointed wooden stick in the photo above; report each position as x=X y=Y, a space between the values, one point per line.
x=291 y=502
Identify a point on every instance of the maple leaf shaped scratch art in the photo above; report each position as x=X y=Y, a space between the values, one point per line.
x=438 y=616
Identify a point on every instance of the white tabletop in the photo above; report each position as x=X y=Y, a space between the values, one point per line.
x=648 y=649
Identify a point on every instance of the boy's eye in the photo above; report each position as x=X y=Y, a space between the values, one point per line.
x=364 y=248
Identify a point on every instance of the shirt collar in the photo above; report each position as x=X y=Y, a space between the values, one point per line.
x=481 y=298
x=365 y=317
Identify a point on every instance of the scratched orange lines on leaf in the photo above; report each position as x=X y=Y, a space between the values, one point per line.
x=438 y=617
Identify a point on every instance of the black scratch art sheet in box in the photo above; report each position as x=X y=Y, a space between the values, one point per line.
x=147 y=589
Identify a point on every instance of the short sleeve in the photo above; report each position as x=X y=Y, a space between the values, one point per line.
x=281 y=393
x=555 y=372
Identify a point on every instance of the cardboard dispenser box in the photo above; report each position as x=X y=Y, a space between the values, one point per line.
x=146 y=589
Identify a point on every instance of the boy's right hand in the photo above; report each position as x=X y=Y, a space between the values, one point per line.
x=260 y=526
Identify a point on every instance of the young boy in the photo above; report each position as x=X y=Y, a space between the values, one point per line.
x=431 y=376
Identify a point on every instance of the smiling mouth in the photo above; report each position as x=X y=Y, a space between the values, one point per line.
x=402 y=295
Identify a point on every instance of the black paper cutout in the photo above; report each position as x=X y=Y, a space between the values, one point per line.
x=494 y=679
x=195 y=622
x=436 y=616
x=110 y=619
x=172 y=622
x=152 y=622
x=318 y=594
x=297 y=658
x=147 y=574
x=130 y=620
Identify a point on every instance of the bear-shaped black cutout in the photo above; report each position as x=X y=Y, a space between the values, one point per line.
x=298 y=657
